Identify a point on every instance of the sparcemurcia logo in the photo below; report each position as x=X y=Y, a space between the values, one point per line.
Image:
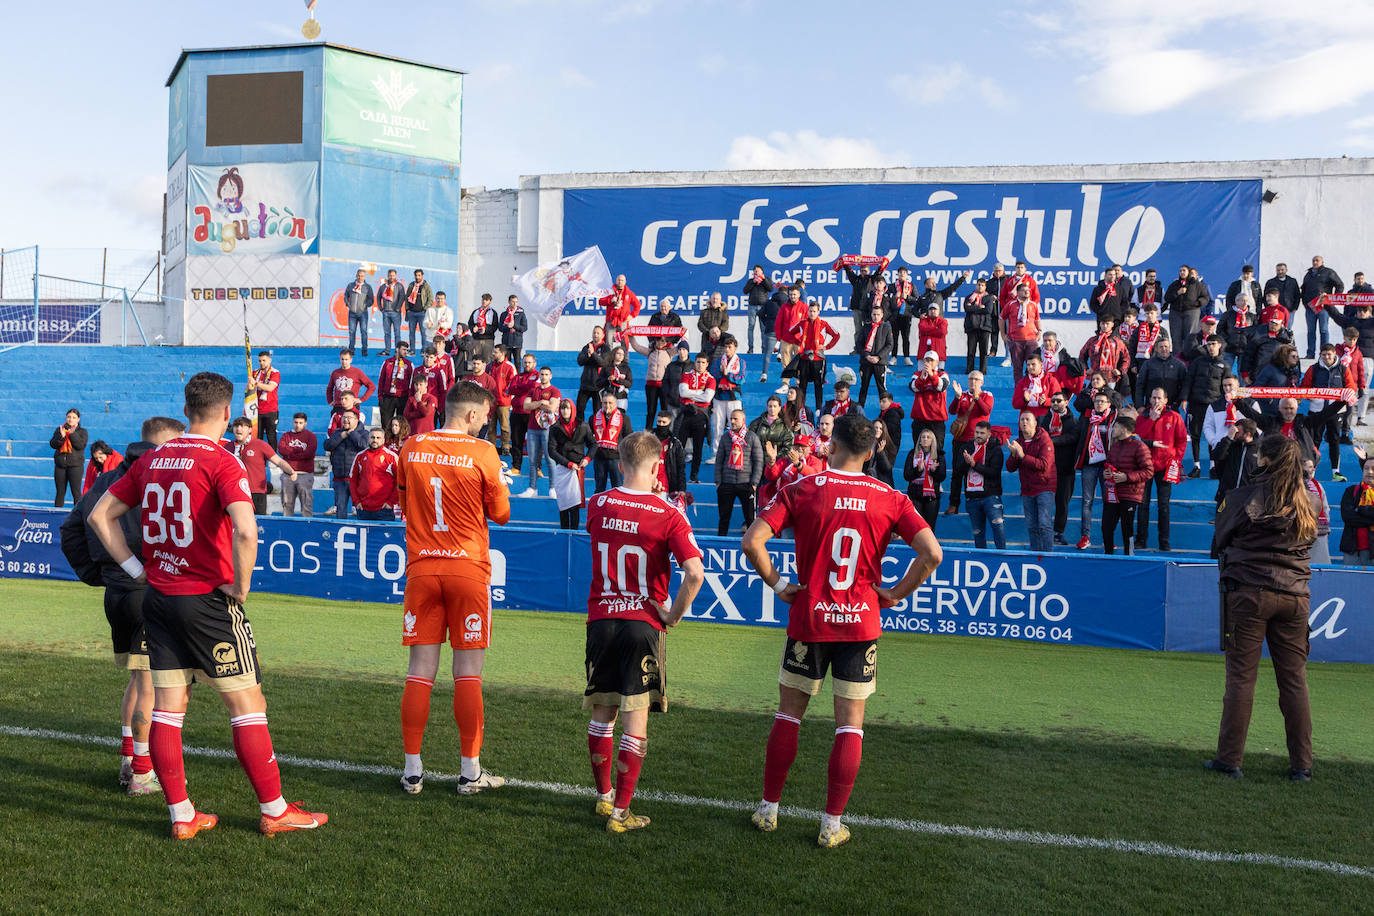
x=394 y=90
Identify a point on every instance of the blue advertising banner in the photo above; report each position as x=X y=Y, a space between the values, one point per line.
x=1342 y=623
x=689 y=242
x=58 y=322
x=1068 y=600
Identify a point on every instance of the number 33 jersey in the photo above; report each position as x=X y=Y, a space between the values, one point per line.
x=635 y=536
x=183 y=488
x=843 y=523
x=450 y=485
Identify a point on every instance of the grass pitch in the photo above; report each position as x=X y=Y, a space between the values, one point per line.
x=1093 y=743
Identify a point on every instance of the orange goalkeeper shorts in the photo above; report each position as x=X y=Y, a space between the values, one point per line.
x=452 y=606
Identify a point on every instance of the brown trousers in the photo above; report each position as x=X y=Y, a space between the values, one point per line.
x=1254 y=616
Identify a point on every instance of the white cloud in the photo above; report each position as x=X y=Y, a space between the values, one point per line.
x=575 y=79
x=1362 y=123
x=281 y=31
x=496 y=72
x=934 y=85
x=806 y=150
x=1266 y=59
x=712 y=63
x=139 y=200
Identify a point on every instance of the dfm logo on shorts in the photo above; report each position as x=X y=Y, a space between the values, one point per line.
x=226 y=659
x=472 y=628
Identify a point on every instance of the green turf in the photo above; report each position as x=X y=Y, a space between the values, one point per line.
x=982 y=733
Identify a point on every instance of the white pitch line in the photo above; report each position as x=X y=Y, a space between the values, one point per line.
x=995 y=834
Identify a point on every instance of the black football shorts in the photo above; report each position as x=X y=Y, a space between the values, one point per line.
x=204 y=638
x=853 y=667
x=625 y=665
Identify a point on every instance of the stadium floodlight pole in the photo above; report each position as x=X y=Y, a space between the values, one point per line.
x=35 y=295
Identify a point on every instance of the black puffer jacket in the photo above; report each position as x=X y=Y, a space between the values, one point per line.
x=1202 y=383
x=1349 y=319
x=981 y=315
x=89 y=559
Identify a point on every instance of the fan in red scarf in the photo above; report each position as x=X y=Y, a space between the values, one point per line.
x=1106 y=352
x=840 y=404
x=1035 y=388
x=796 y=464
x=820 y=445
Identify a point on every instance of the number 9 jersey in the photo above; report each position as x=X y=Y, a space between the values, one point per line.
x=843 y=523
x=183 y=488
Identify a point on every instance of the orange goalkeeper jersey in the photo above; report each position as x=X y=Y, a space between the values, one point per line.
x=450 y=485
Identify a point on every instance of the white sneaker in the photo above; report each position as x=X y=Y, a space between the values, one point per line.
x=484 y=780
x=413 y=785
x=1007 y=361
x=711 y=460
x=144 y=784
x=782 y=390
x=527 y=493
x=764 y=377
x=909 y=362
x=126 y=771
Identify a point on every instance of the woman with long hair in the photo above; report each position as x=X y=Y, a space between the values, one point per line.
x=1263 y=541
x=925 y=469
x=880 y=465
x=398 y=433
x=571 y=444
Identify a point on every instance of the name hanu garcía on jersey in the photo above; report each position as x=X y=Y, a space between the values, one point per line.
x=454 y=461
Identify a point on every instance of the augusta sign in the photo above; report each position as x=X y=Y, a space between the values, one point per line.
x=387 y=105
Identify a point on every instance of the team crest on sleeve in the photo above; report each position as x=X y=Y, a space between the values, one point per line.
x=243 y=485
x=600 y=501
x=820 y=480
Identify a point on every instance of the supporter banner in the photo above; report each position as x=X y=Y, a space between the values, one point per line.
x=254 y=208
x=1121 y=603
x=388 y=105
x=281 y=293
x=58 y=322
x=547 y=289
x=689 y=242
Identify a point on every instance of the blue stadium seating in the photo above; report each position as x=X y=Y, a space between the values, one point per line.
x=117 y=387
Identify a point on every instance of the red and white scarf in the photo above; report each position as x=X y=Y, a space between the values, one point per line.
x=1097 y=452
x=872 y=333
x=481 y=321
x=1035 y=386
x=1108 y=484
x=841 y=408
x=820 y=446
x=607 y=429
x=737 y=441
x=1145 y=341
x=975 y=479
x=1103 y=356
x=1147 y=295
x=1242 y=316
x=1022 y=312
x=414 y=292
x=1051 y=360
x=1056 y=426
x=1320 y=504
x=1231 y=416
x=509 y=319
x=1108 y=289
x=925 y=461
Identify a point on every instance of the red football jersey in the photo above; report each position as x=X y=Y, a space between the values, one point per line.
x=843 y=523
x=254 y=455
x=183 y=488
x=267 y=400
x=633 y=534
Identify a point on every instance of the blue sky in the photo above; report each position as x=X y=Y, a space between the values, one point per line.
x=575 y=85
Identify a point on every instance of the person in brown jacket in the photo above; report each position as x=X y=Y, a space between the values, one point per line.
x=1263 y=541
x=1128 y=467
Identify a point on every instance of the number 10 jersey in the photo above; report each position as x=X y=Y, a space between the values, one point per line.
x=843 y=523
x=633 y=536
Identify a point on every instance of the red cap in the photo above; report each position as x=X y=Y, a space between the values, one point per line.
x=1210 y=319
x=1275 y=313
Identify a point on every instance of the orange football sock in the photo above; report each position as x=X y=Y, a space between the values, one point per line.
x=468 y=713
x=415 y=712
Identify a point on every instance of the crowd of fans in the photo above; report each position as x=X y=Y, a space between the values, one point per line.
x=1169 y=369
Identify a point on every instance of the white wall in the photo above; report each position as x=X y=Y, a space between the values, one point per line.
x=487 y=255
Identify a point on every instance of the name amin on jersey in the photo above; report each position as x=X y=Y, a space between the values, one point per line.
x=851 y=502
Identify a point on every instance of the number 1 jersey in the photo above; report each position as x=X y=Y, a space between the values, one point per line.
x=184 y=487
x=843 y=523
x=450 y=485
x=633 y=534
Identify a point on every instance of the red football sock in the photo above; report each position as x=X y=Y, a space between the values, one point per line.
x=468 y=713
x=142 y=762
x=415 y=712
x=253 y=745
x=126 y=746
x=844 y=766
x=628 y=763
x=601 y=744
x=164 y=745
x=778 y=757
